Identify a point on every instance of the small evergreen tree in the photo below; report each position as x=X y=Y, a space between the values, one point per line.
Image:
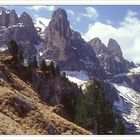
x=92 y=109
x=32 y=62
x=28 y=74
x=119 y=128
x=57 y=69
x=13 y=49
x=29 y=62
x=20 y=56
x=64 y=74
x=52 y=68
x=43 y=66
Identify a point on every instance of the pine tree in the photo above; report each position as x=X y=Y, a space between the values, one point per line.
x=13 y=49
x=119 y=128
x=34 y=62
x=57 y=69
x=64 y=74
x=52 y=68
x=29 y=62
x=20 y=56
x=92 y=108
x=43 y=66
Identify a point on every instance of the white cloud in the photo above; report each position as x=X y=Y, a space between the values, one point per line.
x=108 y=21
x=78 y=18
x=90 y=13
x=131 y=13
x=37 y=8
x=70 y=12
x=127 y=35
x=41 y=22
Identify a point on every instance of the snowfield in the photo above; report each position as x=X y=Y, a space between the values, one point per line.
x=128 y=105
x=78 y=77
x=131 y=72
x=135 y=70
x=39 y=47
x=3 y=49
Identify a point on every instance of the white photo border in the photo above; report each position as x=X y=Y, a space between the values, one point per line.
x=69 y=2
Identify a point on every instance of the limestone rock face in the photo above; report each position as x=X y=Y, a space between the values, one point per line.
x=110 y=57
x=67 y=48
x=114 y=48
x=57 y=36
x=98 y=46
x=21 y=29
x=28 y=23
x=8 y=18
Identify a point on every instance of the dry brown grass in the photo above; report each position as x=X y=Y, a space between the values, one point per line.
x=41 y=120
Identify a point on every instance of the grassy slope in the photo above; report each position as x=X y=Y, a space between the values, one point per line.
x=41 y=120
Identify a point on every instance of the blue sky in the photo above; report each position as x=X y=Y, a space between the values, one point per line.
x=115 y=14
x=119 y=22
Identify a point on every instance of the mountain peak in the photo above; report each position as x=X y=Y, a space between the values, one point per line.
x=26 y=16
x=59 y=12
x=98 y=46
x=2 y=9
x=114 y=48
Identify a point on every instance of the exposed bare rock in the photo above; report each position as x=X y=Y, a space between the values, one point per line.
x=67 y=47
x=114 y=48
x=21 y=29
x=111 y=57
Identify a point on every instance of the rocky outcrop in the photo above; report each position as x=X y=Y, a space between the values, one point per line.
x=98 y=46
x=28 y=23
x=8 y=18
x=110 y=57
x=21 y=29
x=22 y=105
x=114 y=48
x=67 y=47
x=132 y=79
x=55 y=90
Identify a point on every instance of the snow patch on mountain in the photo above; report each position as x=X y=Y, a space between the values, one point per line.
x=131 y=72
x=135 y=70
x=39 y=47
x=41 y=23
x=128 y=105
x=3 y=49
x=78 y=77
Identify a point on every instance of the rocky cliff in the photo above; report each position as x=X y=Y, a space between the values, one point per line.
x=67 y=48
x=21 y=29
x=110 y=57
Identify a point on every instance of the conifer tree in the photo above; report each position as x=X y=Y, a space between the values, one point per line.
x=13 y=49
x=43 y=66
x=119 y=128
x=92 y=109
x=64 y=74
x=34 y=62
x=20 y=56
x=57 y=69
x=52 y=68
